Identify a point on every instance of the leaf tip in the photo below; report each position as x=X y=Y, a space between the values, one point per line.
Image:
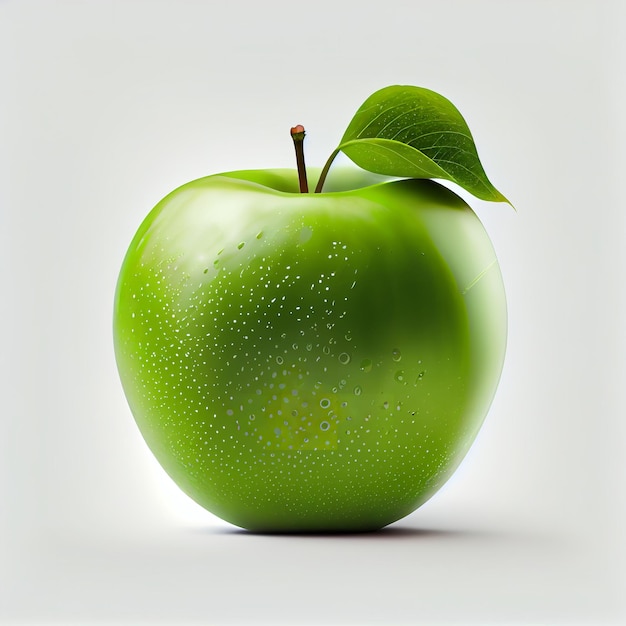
x=502 y=198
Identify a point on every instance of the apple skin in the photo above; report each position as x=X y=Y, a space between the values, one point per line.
x=310 y=362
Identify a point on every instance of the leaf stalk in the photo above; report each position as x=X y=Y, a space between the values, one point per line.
x=322 y=178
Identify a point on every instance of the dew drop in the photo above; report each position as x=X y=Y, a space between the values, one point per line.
x=259 y=235
x=396 y=355
x=241 y=245
x=326 y=350
x=358 y=391
x=279 y=360
x=324 y=403
x=309 y=347
x=385 y=405
x=305 y=234
x=324 y=425
x=252 y=417
x=366 y=365
x=344 y=358
x=399 y=376
x=216 y=263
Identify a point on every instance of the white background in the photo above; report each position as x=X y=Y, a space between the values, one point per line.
x=107 y=106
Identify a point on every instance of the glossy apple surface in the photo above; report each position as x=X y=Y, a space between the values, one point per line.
x=309 y=362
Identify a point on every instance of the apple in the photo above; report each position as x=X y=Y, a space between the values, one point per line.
x=319 y=361
x=310 y=361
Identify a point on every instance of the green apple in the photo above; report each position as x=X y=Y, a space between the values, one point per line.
x=310 y=361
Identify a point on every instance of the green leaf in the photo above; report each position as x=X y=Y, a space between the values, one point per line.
x=416 y=133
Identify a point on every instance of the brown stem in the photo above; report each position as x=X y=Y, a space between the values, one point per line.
x=297 y=134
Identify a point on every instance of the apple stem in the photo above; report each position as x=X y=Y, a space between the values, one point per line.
x=322 y=180
x=297 y=134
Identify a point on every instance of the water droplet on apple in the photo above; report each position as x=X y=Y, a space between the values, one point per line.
x=399 y=376
x=259 y=235
x=279 y=360
x=326 y=350
x=324 y=425
x=305 y=234
x=358 y=391
x=396 y=355
x=216 y=263
x=324 y=403
x=385 y=405
x=366 y=365
x=241 y=245
x=252 y=417
x=344 y=358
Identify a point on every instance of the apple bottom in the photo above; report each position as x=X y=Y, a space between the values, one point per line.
x=317 y=448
